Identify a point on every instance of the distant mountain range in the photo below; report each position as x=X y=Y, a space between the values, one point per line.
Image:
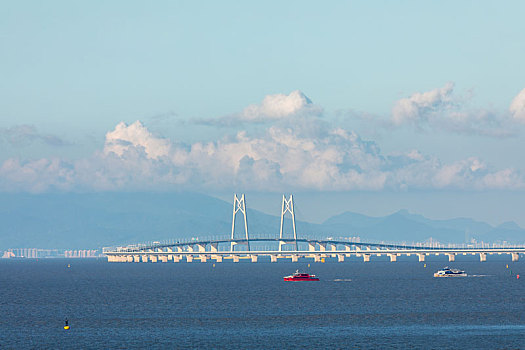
x=86 y=221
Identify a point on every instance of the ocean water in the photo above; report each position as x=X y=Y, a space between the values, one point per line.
x=356 y=305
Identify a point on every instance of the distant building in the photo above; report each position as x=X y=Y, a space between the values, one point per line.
x=81 y=253
x=36 y=253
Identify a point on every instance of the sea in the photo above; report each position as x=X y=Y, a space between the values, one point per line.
x=355 y=305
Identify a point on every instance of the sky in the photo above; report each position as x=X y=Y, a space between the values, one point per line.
x=368 y=106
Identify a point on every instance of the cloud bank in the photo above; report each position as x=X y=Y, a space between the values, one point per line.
x=319 y=158
x=440 y=109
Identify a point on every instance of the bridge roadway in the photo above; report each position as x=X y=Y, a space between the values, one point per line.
x=317 y=249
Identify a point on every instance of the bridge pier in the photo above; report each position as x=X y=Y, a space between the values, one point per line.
x=204 y=258
x=235 y=258
x=393 y=257
x=189 y=258
x=144 y=258
x=163 y=258
x=340 y=258
x=295 y=258
x=273 y=258
x=254 y=258
x=421 y=257
x=153 y=258
x=366 y=257
x=311 y=247
x=482 y=257
x=214 y=247
x=201 y=247
x=317 y=258
x=218 y=258
x=515 y=256
x=451 y=257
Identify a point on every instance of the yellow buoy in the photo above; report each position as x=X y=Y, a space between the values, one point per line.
x=66 y=327
x=507 y=266
x=425 y=265
x=308 y=265
x=213 y=265
x=68 y=265
x=322 y=260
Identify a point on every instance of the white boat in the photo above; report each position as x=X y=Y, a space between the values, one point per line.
x=447 y=272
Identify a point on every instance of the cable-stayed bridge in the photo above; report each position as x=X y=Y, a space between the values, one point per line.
x=288 y=247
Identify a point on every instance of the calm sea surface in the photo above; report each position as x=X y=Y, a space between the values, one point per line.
x=376 y=305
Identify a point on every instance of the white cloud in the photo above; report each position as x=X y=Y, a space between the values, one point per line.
x=272 y=108
x=420 y=106
x=439 y=109
x=517 y=107
x=296 y=151
x=135 y=135
x=278 y=106
x=280 y=159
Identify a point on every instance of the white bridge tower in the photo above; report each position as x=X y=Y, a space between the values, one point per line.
x=287 y=207
x=239 y=204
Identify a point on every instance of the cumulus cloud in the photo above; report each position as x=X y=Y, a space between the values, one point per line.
x=272 y=108
x=24 y=135
x=421 y=106
x=135 y=135
x=441 y=109
x=279 y=159
x=279 y=106
x=517 y=107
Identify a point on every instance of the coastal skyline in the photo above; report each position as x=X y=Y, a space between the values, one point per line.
x=368 y=107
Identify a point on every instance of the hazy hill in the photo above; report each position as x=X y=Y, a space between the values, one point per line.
x=404 y=226
x=94 y=220
x=102 y=219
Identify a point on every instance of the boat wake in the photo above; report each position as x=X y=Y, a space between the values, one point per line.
x=480 y=275
x=342 y=280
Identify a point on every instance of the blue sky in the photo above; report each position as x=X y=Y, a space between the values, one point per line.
x=374 y=99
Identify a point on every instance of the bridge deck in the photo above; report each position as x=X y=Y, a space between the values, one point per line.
x=317 y=249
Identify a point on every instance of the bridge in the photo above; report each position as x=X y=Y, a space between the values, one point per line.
x=288 y=248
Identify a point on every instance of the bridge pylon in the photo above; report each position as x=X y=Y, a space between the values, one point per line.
x=239 y=204
x=287 y=207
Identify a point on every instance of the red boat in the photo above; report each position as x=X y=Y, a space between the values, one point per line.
x=297 y=276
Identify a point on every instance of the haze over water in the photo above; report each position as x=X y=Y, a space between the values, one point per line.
x=193 y=305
